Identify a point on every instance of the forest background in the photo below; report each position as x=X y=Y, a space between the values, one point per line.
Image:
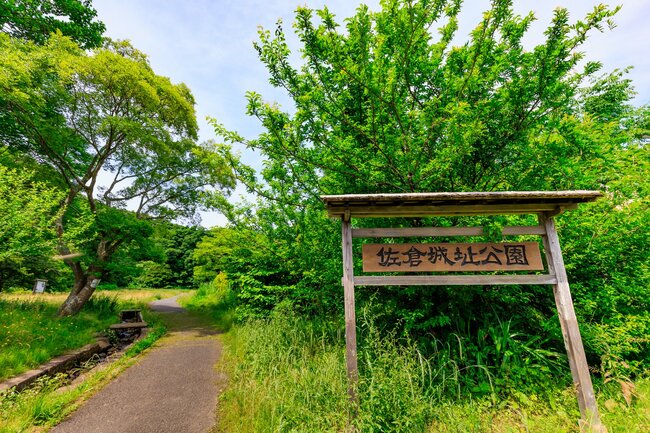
x=383 y=102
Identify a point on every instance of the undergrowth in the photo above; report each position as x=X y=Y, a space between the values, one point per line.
x=288 y=374
x=31 y=333
x=214 y=300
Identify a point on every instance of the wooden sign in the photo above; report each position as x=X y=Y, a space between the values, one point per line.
x=39 y=286
x=467 y=257
x=456 y=257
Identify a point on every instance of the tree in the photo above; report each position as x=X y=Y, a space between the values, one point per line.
x=383 y=107
x=35 y=20
x=179 y=244
x=387 y=105
x=105 y=115
x=27 y=236
x=213 y=253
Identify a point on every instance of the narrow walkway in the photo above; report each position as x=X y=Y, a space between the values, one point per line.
x=172 y=389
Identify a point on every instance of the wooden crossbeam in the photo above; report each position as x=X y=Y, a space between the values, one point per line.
x=412 y=232
x=452 y=280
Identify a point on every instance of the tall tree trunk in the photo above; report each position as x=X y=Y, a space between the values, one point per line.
x=78 y=297
x=85 y=282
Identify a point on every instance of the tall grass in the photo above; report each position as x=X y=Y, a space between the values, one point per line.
x=555 y=413
x=31 y=333
x=213 y=299
x=287 y=374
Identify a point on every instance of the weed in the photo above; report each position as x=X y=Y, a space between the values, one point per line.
x=214 y=299
x=288 y=374
x=103 y=306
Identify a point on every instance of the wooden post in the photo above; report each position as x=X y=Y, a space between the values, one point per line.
x=350 y=315
x=570 y=331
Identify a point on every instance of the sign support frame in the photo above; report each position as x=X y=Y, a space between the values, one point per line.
x=350 y=312
x=425 y=205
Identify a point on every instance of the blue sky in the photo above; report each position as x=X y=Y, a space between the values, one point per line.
x=208 y=46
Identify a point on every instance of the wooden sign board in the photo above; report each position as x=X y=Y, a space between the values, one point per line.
x=452 y=257
x=39 y=286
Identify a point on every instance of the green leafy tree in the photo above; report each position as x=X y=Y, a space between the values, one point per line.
x=29 y=209
x=106 y=114
x=253 y=265
x=153 y=275
x=167 y=246
x=385 y=107
x=606 y=249
x=35 y=20
x=178 y=244
x=213 y=254
x=384 y=104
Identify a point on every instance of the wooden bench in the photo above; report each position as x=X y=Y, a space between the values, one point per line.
x=129 y=325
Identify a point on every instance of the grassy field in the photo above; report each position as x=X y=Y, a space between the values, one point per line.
x=31 y=333
x=127 y=297
x=287 y=374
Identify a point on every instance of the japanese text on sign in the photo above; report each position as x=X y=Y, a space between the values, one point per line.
x=468 y=257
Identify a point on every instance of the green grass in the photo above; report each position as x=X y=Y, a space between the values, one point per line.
x=127 y=297
x=559 y=414
x=47 y=404
x=214 y=301
x=283 y=376
x=288 y=374
x=31 y=333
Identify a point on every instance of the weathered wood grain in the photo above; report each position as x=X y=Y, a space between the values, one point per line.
x=350 y=314
x=414 y=232
x=452 y=280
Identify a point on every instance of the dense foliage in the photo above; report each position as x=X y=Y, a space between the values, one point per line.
x=35 y=20
x=29 y=208
x=384 y=104
x=106 y=113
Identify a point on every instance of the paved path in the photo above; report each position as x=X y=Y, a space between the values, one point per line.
x=172 y=389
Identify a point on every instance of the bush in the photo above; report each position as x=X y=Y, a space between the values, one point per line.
x=153 y=275
x=215 y=299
